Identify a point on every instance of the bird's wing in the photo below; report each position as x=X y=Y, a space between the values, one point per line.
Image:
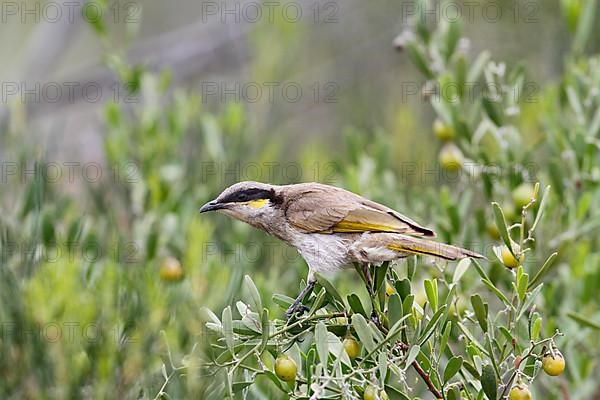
x=326 y=209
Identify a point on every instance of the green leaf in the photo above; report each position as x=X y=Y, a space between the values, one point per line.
x=383 y=363
x=488 y=382
x=278 y=382
x=407 y=304
x=282 y=300
x=311 y=361
x=435 y=319
x=583 y=320
x=356 y=305
x=432 y=293
x=480 y=270
x=403 y=288
x=543 y=269
x=529 y=301
x=329 y=288
x=209 y=316
x=460 y=269
x=394 y=309
x=540 y=210
x=363 y=331
x=452 y=368
x=493 y=110
x=502 y=229
x=228 y=328
x=585 y=25
x=322 y=343
x=478 y=66
x=252 y=295
x=522 y=285
x=481 y=311
x=445 y=336
x=265 y=329
x=395 y=394
x=416 y=54
x=411 y=268
x=452 y=37
x=497 y=292
x=239 y=386
x=412 y=354
x=535 y=330
x=380 y=273
x=453 y=394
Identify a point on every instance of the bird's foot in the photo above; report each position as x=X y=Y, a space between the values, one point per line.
x=295 y=308
x=375 y=319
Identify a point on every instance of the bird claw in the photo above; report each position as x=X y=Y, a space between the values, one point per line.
x=294 y=308
x=375 y=319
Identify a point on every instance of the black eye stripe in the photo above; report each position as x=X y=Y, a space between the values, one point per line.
x=248 y=195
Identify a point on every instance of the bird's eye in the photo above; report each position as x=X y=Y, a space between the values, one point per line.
x=242 y=196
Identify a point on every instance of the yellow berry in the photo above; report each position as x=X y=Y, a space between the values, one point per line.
x=442 y=130
x=451 y=158
x=171 y=270
x=509 y=260
x=508 y=209
x=351 y=347
x=285 y=368
x=519 y=392
x=522 y=195
x=370 y=393
x=389 y=289
x=492 y=230
x=553 y=365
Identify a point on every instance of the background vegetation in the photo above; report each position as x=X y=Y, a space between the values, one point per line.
x=107 y=284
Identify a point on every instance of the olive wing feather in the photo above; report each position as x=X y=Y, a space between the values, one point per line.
x=327 y=209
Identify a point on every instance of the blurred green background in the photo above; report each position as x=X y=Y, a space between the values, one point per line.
x=103 y=278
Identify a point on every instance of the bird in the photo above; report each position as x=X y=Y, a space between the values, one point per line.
x=330 y=227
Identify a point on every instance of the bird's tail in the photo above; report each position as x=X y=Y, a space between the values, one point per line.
x=413 y=245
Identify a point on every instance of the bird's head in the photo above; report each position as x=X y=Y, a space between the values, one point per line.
x=251 y=202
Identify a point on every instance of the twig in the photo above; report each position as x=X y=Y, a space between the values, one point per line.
x=427 y=379
x=424 y=375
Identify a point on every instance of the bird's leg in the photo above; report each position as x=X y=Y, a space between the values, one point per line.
x=297 y=304
x=369 y=282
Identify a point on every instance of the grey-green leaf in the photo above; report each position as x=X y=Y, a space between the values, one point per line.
x=363 y=331
x=329 y=288
x=488 y=382
x=252 y=295
x=480 y=309
x=321 y=341
x=228 y=328
x=452 y=367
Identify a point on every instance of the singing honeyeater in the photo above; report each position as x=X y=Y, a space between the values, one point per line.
x=329 y=226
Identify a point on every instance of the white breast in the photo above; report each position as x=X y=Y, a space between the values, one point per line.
x=323 y=253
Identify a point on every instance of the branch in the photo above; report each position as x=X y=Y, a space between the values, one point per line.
x=424 y=375
x=427 y=379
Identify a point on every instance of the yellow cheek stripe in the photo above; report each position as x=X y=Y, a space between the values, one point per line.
x=258 y=203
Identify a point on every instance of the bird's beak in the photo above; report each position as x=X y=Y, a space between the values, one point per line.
x=211 y=206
